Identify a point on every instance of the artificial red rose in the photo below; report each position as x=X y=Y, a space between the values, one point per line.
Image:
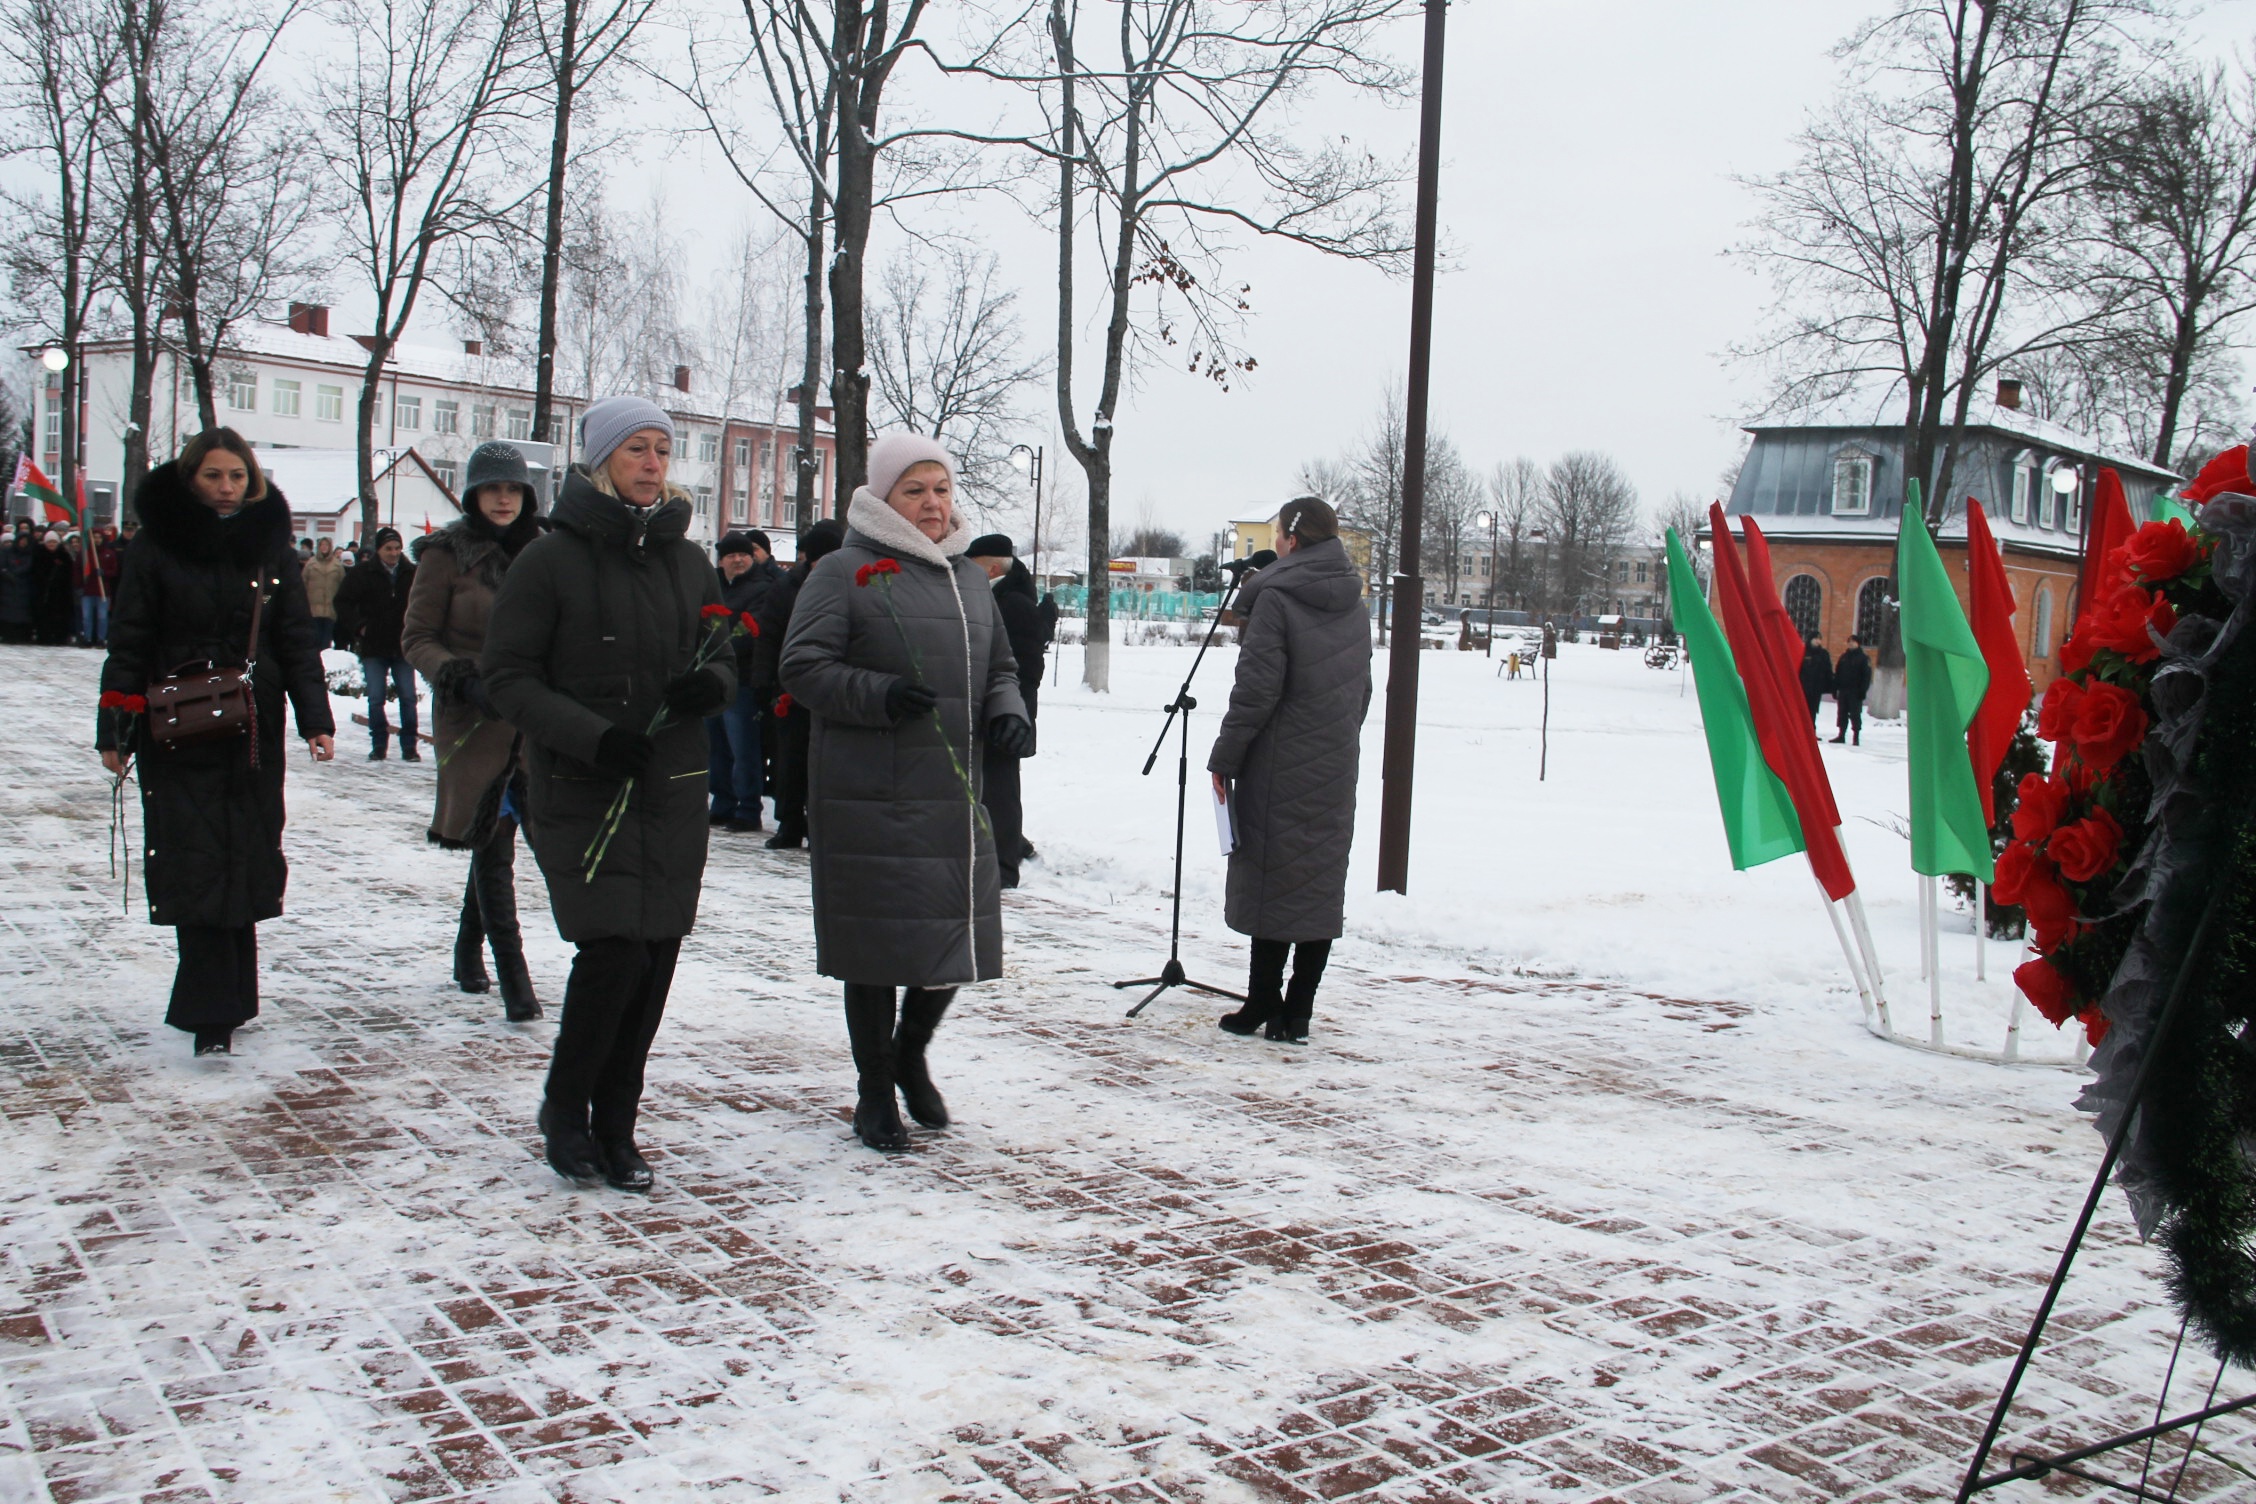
x=2014 y=866
x=2109 y=723
x=2158 y=551
x=2127 y=622
x=2047 y=990
x=2076 y=652
x=2095 y=1025
x=2056 y=713
x=2089 y=848
x=2042 y=800
x=2052 y=913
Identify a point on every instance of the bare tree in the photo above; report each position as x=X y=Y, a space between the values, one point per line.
x=1452 y=497
x=411 y=122
x=1909 y=240
x=2176 y=238
x=1686 y=514
x=1372 y=503
x=945 y=344
x=1589 y=511
x=1515 y=492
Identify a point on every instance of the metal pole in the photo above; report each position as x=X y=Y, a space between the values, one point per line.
x=1491 y=644
x=1397 y=762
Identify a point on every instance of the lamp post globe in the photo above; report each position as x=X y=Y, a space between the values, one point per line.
x=55 y=358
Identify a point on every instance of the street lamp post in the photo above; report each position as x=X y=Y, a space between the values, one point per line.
x=1489 y=521
x=1026 y=459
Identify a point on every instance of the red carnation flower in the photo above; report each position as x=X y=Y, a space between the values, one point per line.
x=2056 y=714
x=751 y=627
x=2047 y=990
x=2095 y=1026
x=2043 y=799
x=2014 y=865
x=783 y=706
x=2089 y=848
x=136 y=704
x=2123 y=621
x=714 y=612
x=872 y=570
x=2156 y=552
x=2109 y=723
x=112 y=699
x=2052 y=913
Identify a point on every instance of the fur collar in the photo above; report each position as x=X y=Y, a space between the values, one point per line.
x=174 y=520
x=474 y=541
x=888 y=531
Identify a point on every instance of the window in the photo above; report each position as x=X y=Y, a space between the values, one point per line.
x=708 y=447
x=2074 y=521
x=2024 y=488
x=520 y=423
x=704 y=496
x=286 y=399
x=446 y=472
x=743 y=508
x=329 y=403
x=2056 y=502
x=1642 y=567
x=1872 y=607
x=242 y=391
x=2041 y=647
x=1852 y=484
x=1621 y=571
x=791 y=514
x=767 y=470
x=481 y=420
x=446 y=416
x=407 y=412
x=1805 y=603
x=743 y=451
x=54 y=424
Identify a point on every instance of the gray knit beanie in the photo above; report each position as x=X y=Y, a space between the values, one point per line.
x=495 y=462
x=608 y=423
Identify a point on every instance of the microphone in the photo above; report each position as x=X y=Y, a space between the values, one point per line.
x=1261 y=560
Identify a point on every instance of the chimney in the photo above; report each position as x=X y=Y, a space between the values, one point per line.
x=473 y=347
x=681 y=378
x=2009 y=393
x=310 y=318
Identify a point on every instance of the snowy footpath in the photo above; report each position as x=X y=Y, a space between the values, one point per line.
x=1590 y=1184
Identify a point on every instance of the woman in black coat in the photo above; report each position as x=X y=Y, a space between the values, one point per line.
x=1817 y=673
x=593 y=633
x=212 y=533
x=54 y=584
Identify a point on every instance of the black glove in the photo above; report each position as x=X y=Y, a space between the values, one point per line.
x=697 y=694
x=453 y=680
x=624 y=754
x=1011 y=735
x=905 y=698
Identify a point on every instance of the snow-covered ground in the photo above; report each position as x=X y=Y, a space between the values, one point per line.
x=1590 y=1186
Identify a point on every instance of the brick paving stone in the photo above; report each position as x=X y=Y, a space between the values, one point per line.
x=1487 y=1238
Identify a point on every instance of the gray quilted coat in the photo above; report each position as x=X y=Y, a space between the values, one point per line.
x=1291 y=740
x=905 y=887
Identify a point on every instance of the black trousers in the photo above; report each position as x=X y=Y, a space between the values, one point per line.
x=612 y=1004
x=999 y=791
x=216 y=984
x=1265 y=985
x=793 y=732
x=1849 y=716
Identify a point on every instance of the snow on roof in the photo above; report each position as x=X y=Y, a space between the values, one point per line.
x=1982 y=413
x=321 y=480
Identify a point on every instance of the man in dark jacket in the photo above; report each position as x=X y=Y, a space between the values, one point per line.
x=373 y=605
x=1852 y=681
x=18 y=566
x=735 y=768
x=1021 y=610
x=790 y=726
x=1817 y=673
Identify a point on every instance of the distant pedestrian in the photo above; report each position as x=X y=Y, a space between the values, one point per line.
x=737 y=774
x=1287 y=757
x=1852 y=681
x=898 y=651
x=1817 y=673
x=99 y=587
x=54 y=591
x=481 y=786
x=372 y=603
x=791 y=724
x=1020 y=607
x=592 y=636
x=216 y=540
x=324 y=576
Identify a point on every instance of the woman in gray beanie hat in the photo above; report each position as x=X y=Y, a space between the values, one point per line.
x=591 y=643
x=481 y=786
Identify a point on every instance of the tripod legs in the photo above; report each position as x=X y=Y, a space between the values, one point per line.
x=1172 y=974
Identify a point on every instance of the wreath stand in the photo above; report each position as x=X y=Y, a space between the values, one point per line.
x=2027 y=1465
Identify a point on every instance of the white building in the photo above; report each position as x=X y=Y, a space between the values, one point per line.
x=293 y=390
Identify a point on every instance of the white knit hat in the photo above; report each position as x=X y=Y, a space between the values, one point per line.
x=892 y=455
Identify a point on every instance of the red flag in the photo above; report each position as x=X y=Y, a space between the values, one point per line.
x=1991 y=731
x=1763 y=585
x=1782 y=722
x=2110 y=526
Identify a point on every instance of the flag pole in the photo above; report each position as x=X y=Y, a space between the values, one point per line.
x=1855 y=903
x=1934 y=963
x=2012 y=1049
x=1981 y=930
x=1848 y=951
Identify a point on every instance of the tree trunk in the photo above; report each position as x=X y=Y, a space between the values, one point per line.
x=552 y=229
x=810 y=374
x=1094 y=458
x=2185 y=339
x=371 y=387
x=857 y=111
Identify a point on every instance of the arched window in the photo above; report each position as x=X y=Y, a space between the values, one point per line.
x=2042 y=646
x=1805 y=603
x=1872 y=607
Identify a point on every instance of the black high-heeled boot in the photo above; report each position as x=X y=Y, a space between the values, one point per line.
x=495 y=873
x=470 y=938
x=921 y=1011
x=869 y=1030
x=1265 y=989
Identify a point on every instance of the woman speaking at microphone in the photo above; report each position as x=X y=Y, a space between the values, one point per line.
x=1290 y=743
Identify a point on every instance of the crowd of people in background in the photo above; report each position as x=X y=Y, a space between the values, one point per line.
x=56 y=587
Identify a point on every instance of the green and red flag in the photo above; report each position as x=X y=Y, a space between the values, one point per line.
x=1758 y=818
x=35 y=485
x=1990 y=599
x=1945 y=679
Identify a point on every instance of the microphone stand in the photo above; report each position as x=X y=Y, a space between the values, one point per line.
x=1172 y=974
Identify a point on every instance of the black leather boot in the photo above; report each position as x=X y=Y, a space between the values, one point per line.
x=623 y=1165
x=1291 y=1023
x=921 y=1012
x=470 y=938
x=571 y=1148
x=1265 y=989
x=495 y=872
x=869 y=1029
